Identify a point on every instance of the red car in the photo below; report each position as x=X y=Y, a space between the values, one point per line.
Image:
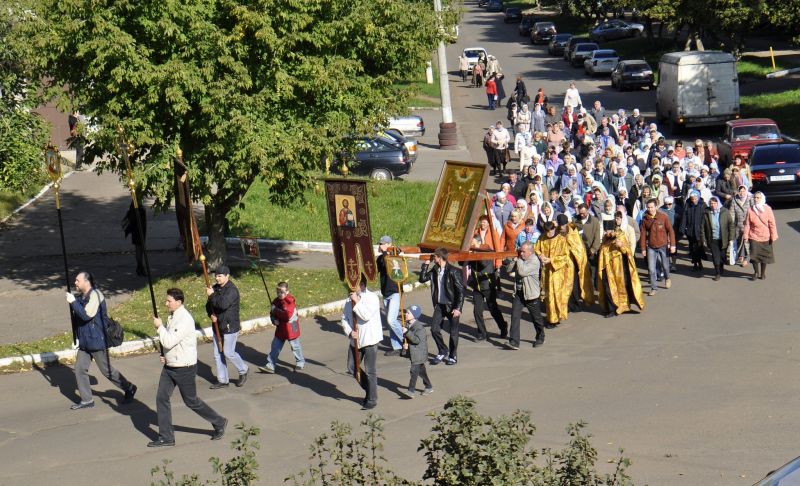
x=744 y=134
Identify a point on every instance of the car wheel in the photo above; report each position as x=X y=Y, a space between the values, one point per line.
x=381 y=175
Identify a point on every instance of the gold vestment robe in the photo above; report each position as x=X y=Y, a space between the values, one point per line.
x=557 y=276
x=577 y=252
x=610 y=261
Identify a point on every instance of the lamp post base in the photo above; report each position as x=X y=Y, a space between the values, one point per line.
x=448 y=136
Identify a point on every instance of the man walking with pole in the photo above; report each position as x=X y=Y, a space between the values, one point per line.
x=223 y=308
x=89 y=316
x=447 y=293
x=361 y=323
x=180 y=370
x=527 y=290
x=391 y=299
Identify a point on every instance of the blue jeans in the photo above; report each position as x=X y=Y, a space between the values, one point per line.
x=653 y=256
x=392 y=304
x=491 y=101
x=229 y=352
x=277 y=346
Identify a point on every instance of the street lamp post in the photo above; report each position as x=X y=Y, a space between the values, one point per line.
x=447 y=128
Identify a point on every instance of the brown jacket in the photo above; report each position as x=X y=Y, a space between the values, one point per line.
x=656 y=231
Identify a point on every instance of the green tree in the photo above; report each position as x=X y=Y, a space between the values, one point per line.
x=247 y=89
x=785 y=14
x=22 y=133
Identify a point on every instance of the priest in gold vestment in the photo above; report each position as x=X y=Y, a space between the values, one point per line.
x=557 y=273
x=617 y=280
x=582 y=287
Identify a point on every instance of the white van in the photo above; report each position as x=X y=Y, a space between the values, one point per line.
x=697 y=88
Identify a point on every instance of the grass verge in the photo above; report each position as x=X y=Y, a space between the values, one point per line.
x=10 y=200
x=310 y=287
x=425 y=95
x=783 y=107
x=397 y=208
x=759 y=67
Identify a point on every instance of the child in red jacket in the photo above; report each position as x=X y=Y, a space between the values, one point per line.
x=287 y=328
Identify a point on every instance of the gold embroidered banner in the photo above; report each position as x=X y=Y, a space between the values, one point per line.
x=351 y=235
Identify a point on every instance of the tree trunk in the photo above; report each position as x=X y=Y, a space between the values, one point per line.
x=648 y=28
x=216 y=251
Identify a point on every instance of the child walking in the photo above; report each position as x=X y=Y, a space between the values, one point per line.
x=418 y=350
x=287 y=328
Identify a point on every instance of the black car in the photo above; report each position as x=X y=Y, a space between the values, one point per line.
x=581 y=51
x=513 y=15
x=494 y=6
x=558 y=43
x=630 y=74
x=775 y=170
x=571 y=44
x=525 y=25
x=378 y=158
x=483 y=3
x=542 y=32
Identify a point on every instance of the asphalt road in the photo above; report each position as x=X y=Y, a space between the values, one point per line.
x=701 y=388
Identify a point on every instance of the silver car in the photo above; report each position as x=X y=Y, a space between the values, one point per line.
x=408 y=125
x=601 y=61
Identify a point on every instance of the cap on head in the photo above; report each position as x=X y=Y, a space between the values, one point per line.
x=223 y=270
x=415 y=311
x=385 y=240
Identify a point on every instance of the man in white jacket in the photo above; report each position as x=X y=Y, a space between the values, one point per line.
x=366 y=308
x=179 y=343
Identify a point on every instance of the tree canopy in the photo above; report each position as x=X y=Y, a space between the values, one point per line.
x=247 y=89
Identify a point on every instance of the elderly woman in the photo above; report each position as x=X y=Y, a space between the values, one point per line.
x=539 y=142
x=761 y=232
x=598 y=200
x=740 y=206
x=546 y=215
x=658 y=190
x=739 y=175
x=572 y=180
x=511 y=229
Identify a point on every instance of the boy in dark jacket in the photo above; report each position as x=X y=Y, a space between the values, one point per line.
x=418 y=351
x=287 y=328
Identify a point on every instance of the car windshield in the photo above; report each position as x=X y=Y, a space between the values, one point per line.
x=563 y=37
x=512 y=11
x=756 y=132
x=604 y=54
x=472 y=52
x=634 y=68
x=586 y=47
x=764 y=155
x=546 y=25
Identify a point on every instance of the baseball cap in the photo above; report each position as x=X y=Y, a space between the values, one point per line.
x=415 y=311
x=223 y=270
x=385 y=240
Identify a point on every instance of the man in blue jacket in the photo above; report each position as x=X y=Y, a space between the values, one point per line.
x=88 y=315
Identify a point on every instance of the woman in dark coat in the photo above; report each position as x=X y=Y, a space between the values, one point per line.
x=130 y=227
x=501 y=91
x=692 y=227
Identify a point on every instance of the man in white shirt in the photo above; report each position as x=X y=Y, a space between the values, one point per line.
x=366 y=308
x=179 y=342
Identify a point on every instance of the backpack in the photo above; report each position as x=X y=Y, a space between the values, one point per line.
x=112 y=329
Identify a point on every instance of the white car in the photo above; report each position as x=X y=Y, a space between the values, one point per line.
x=601 y=61
x=473 y=54
x=408 y=125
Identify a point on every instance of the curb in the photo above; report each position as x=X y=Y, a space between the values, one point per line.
x=318 y=246
x=148 y=345
x=34 y=198
x=780 y=74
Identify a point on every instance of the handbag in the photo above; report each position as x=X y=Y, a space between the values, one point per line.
x=731 y=253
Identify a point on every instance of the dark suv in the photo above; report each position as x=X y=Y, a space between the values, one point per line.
x=775 y=170
x=377 y=157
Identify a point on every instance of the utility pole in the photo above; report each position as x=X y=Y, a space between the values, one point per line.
x=447 y=128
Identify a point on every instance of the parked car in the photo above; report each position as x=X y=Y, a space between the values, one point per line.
x=412 y=125
x=542 y=32
x=525 y=25
x=632 y=73
x=787 y=474
x=483 y=3
x=473 y=54
x=775 y=170
x=571 y=43
x=396 y=137
x=378 y=158
x=494 y=6
x=742 y=135
x=557 y=44
x=512 y=15
x=615 y=29
x=601 y=61
x=582 y=51
x=697 y=88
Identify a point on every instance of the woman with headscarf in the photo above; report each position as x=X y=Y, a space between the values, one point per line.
x=538 y=119
x=705 y=192
x=571 y=179
x=741 y=204
x=557 y=278
x=539 y=143
x=522 y=122
x=511 y=229
x=598 y=200
x=760 y=230
x=546 y=215
x=641 y=203
x=617 y=279
x=658 y=190
x=691 y=226
x=629 y=227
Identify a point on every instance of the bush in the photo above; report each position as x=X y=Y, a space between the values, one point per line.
x=464 y=449
x=24 y=136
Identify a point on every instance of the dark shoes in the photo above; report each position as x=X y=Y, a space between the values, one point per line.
x=129 y=394
x=536 y=344
x=549 y=326
x=242 y=380
x=392 y=352
x=219 y=431
x=610 y=315
x=438 y=359
x=716 y=278
x=451 y=361
x=82 y=405
x=368 y=406
x=218 y=385
x=481 y=337
x=509 y=345
x=161 y=443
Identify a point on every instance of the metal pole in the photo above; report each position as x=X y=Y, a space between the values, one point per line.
x=447 y=129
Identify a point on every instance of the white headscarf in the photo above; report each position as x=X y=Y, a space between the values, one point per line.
x=545 y=217
x=760 y=207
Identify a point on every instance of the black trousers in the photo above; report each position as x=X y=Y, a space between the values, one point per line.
x=483 y=299
x=184 y=379
x=695 y=250
x=612 y=308
x=439 y=313
x=534 y=307
x=717 y=256
x=367 y=357
x=418 y=370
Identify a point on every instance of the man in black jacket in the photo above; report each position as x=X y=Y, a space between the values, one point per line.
x=223 y=308
x=483 y=281
x=447 y=293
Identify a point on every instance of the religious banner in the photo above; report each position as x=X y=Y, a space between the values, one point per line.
x=190 y=237
x=351 y=235
x=397 y=268
x=250 y=248
x=456 y=206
